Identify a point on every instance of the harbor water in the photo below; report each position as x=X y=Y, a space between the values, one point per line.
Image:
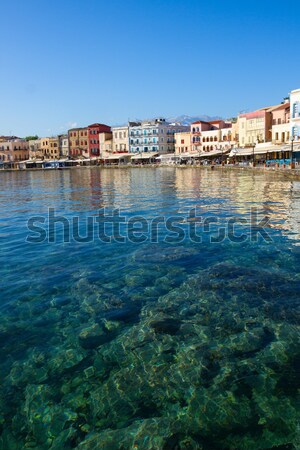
x=149 y=308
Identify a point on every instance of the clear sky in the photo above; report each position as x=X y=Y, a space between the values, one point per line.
x=73 y=62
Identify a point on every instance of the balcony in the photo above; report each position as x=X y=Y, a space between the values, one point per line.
x=296 y=116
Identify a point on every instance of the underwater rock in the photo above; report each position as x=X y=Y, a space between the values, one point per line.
x=149 y=434
x=167 y=325
x=204 y=366
x=157 y=254
x=95 y=335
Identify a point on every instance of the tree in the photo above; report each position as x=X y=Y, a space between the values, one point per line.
x=31 y=138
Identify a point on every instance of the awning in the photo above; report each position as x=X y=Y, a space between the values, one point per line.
x=188 y=155
x=116 y=157
x=259 y=150
x=167 y=156
x=144 y=155
x=216 y=152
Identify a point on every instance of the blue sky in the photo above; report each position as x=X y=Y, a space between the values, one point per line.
x=73 y=62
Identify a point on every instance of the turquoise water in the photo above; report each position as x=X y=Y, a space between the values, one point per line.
x=169 y=344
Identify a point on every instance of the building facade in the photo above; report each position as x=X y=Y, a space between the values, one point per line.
x=255 y=127
x=14 y=150
x=281 y=124
x=120 y=137
x=153 y=136
x=295 y=114
x=94 y=131
x=35 y=151
x=105 y=144
x=182 y=143
x=217 y=135
x=50 y=147
x=78 y=142
x=63 y=145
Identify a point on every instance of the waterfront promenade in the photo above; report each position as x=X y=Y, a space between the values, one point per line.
x=285 y=171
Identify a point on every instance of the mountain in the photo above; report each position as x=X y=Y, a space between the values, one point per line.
x=187 y=120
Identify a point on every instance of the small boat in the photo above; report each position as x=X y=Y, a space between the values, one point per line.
x=54 y=165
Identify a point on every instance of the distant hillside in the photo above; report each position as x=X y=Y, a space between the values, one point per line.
x=184 y=119
x=187 y=120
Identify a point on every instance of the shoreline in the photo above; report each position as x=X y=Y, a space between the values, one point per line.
x=291 y=173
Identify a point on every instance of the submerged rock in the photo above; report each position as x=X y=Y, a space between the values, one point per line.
x=157 y=254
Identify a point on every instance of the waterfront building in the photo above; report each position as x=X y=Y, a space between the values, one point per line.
x=295 y=115
x=105 y=144
x=153 y=136
x=94 y=131
x=63 y=145
x=281 y=124
x=50 y=147
x=214 y=137
x=14 y=150
x=182 y=143
x=120 y=143
x=35 y=151
x=256 y=127
x=78 y=142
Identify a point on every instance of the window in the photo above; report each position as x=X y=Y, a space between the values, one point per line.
x=296 y=111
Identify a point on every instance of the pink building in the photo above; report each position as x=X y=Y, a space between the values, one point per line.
x=281 y=124
x=14 y=150
x=209 y=136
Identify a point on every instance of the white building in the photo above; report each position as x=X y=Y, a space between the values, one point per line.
x=63 y=145
x=155 y=136
x=295 y=114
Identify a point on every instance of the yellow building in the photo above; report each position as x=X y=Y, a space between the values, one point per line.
x=50 y=147
x=256 y=127
x=182 y=142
